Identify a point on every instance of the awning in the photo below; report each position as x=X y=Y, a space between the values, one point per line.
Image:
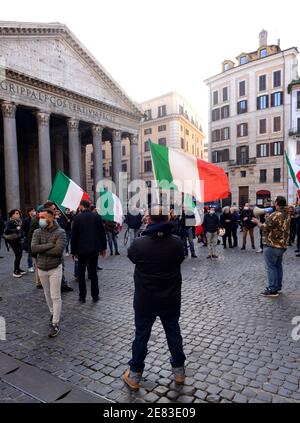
x=263 y=192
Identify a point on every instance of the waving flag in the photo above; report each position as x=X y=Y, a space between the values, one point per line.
x=66 y=193
x=110 y=207
x=294 y=171
x=176 y=166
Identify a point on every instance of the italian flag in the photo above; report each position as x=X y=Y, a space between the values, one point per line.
x=110 y=207
x=294 y=171
x=200 y=179
x=65 y=193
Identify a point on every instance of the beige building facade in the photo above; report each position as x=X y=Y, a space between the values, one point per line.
x=249 y=121
x=168 y=120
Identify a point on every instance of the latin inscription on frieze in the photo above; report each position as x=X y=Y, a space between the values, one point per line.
x=41 y=98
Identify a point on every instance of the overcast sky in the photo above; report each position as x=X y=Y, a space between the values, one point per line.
x=151 y=47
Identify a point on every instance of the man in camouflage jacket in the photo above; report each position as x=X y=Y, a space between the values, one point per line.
x=276 y=231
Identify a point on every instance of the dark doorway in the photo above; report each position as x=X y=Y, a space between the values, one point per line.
x=243 y=196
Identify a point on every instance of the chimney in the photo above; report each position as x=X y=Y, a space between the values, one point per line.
x=263 y=38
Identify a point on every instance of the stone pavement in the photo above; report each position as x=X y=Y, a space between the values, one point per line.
x=238 y=344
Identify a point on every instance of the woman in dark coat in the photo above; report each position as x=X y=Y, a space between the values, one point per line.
x=226 y=223
x=14 y=236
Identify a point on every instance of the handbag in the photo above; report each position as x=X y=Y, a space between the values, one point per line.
x=12 y=237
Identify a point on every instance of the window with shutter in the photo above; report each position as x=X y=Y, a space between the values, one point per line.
x=277 y=175
x=277 y=124
x=263 y=176
x=277 y=79
x=225 y=94
x=262 y=83
x=262 y=126
x=262 y=102
x=298 y=99
x=242 y=107
x=298 y=147
x=215 y=98
x=277 y=99
x=242 y=88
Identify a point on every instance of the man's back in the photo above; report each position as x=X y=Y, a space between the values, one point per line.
x=157 y=256
x=88 y=235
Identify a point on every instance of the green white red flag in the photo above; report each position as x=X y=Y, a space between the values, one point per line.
x=209 y=182
x=294 y=170
x=110 y=207
x=65 y=193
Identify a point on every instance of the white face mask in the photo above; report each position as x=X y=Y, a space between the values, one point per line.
x=211 y=211
x=246 y=208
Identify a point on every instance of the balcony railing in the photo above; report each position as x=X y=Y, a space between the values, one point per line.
x=294 y=132
x=243 y=162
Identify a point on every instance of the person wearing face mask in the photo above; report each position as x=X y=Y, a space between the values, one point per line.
x=248 y=225
x=211 y=225
x=48 y=243
x=14 y=236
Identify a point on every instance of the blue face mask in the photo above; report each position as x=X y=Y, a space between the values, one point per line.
x=43 y=223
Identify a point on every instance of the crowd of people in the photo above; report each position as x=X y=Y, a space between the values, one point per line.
x=47 y=235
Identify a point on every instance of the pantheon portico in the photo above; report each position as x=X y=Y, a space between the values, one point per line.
x=55 y=99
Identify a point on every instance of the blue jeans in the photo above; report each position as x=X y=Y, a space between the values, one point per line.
x=143 y=326
x=29 y=261
x=273 y=261
x=112 y=241
x=68 y=235
x=188 y=237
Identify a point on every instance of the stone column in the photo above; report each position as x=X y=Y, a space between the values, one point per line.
x=116 y=158
x=11 y=160
x=45 y=175
x=134 y=157
x=59 y=153
x=74 y=151
x=83 y=167
x=98 y=159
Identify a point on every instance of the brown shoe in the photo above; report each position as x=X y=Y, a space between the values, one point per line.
x=132 y=380
x=179 y=375
x=40 y=286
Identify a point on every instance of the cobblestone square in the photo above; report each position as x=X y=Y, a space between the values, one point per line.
x=238 y=344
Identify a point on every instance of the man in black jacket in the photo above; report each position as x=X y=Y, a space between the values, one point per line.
x=88 y=240
x=211 y=225
x=157 y=293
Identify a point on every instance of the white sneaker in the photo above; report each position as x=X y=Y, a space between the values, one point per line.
x=67 y=254
x=17 y=275
x=31 y=269
x=260 y=250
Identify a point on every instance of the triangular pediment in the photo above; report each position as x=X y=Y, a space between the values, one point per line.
x=51 y=53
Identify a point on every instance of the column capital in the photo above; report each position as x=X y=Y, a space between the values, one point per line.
x=8 y=109
x=73 y=124
x=134 y=138
x=97 y=130
x=43 y=118
x=117 y=135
